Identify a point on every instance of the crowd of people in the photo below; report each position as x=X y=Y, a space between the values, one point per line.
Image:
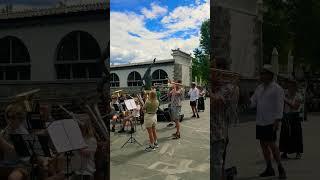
x=148 y=105
x=274 y=105
x=13 y=166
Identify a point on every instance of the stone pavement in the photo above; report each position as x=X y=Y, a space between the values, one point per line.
x=244 y=152
x=185 y=159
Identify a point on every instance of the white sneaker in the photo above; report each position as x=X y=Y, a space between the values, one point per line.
x=150 y=148
x=156 y=145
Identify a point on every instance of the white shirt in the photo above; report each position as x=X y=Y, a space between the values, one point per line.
x=136 y=112
x=194 y=94
x=269 y=102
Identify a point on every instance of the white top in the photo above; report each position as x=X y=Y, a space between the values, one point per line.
x=269 y=102
x=194 y=94
x=136 y=111
x=297 y=97
x=85 y=165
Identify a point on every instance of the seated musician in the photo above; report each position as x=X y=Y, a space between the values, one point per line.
x=15 y=117
x=136 y=111
x=83 y=160
x=114 y=112
x=127 y=118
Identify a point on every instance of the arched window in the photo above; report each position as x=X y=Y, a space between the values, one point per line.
x=77 y=56
x=159 y=76
x=134 y=79
x=14 y=59
x=114 y=80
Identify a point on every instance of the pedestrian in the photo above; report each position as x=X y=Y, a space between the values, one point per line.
x=150 y=120
x=158 y=94
x=194 y=97
x=235 y=101
x=268 y=99
x=176 y=95
x=202 y=94
x=220 y=101
x=291 y=140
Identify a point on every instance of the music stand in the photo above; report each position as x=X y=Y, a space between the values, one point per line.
x=31 y=145
x=131 y=139
x=66 y=137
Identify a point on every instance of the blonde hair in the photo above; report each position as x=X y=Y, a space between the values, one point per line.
x=15 y=112
x=86 y=127
x=153 y=96
x=86 y=130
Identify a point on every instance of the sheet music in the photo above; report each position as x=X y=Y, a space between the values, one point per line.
x=130 y=104
x=66 y=135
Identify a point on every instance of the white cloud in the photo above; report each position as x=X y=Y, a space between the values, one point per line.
x=187 y=17
x=155 y=12
x=127 y=48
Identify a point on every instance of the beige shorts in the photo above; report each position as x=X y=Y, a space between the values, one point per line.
x=150 y=120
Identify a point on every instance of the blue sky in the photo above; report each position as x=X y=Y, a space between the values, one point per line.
x=143 y=29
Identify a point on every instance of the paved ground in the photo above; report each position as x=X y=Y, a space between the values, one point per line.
x=185 y=159
x=244 y=152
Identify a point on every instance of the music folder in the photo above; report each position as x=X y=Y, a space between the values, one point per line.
x=66 y=135
x=130 y=104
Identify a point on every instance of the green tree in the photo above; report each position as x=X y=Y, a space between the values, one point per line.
x=205 y=41
x=201 y=60
x=292 y=25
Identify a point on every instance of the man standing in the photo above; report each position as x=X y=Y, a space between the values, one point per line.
x=194 y=96
x=268 y=98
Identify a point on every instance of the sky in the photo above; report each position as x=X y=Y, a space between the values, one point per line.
x=141 y=30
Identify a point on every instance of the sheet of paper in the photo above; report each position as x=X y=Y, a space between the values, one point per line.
x=74 y=134
x=133 y=103
x=59 y=137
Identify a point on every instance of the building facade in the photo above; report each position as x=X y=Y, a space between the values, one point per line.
x=56 y=49
x=237 y=35
x=128 y=76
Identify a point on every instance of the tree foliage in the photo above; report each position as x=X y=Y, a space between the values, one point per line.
x=201 y=61
x=292 y=25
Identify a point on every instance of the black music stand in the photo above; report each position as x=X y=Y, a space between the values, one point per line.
x=66 y=137
x=30 y=145
x=131 y=139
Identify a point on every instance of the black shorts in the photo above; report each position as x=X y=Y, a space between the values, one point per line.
x=266 y=133
x=193 y=103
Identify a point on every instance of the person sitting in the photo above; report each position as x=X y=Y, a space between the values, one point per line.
x=83 y=160
x=15 y=117
x=114 y=112
x=127 y=118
